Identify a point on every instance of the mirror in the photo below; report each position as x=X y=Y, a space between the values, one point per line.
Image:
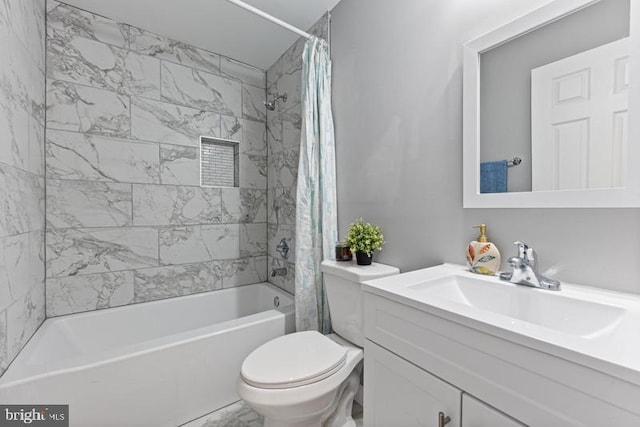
x=549 y=109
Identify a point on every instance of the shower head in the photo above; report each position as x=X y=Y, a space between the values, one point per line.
x=271 y=105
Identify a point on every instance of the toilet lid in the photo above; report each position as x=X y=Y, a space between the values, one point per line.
x=293 y=360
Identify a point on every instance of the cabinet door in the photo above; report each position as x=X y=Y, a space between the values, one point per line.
x=477 y=414
x=398 y=393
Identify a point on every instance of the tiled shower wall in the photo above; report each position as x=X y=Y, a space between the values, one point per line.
x=127 y=221
x=22 y=94
x=283 y=142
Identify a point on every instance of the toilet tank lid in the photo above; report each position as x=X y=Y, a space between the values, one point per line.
x=349 y=270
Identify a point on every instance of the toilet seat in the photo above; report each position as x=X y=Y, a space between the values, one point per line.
x=293 y=360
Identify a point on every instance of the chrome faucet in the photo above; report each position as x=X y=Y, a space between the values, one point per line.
x=525 y=270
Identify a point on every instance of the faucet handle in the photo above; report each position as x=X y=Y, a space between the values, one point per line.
x=526 y=252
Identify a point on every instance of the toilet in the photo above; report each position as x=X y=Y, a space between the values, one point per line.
x=306 y=378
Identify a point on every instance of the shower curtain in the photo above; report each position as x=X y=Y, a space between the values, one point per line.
x=316 y=215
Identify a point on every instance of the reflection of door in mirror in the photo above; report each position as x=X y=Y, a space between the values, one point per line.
x=579 y=120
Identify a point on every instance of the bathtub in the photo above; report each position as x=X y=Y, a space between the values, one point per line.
x=161 y=363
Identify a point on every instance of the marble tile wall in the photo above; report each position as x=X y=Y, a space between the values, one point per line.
x=283 y=142
x=22 y=95
x=126 y=219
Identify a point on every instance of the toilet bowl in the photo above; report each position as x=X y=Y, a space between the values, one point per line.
x=318 y=388
x=308 y=379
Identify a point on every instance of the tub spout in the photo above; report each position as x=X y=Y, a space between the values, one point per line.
x=278 y=272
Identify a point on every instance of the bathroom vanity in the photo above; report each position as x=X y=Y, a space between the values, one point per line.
x=484 y=352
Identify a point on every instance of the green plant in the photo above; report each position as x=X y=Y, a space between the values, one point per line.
x=364 y=237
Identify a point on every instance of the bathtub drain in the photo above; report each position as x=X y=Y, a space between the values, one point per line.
x=276 y=301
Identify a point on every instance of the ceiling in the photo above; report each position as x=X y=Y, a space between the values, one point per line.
x=217 y=25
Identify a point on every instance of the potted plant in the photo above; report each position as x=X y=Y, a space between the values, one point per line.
x=363 y=238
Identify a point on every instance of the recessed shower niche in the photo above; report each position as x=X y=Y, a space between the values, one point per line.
x=219 y=162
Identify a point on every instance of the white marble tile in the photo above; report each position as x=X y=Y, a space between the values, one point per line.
x=175 y=205
x=231 y=128
x=238 y=414
x=14 y=268
x=199 y=89
x=21 y=124
x=21 y=201
x=275 y=234
x=243 y=205
x=21 y=80
x=253 y=103
x=253 y=240
x=274 y=134
x=27 y=20
x=254 y=138
x=290 y=60
x=176 y=280
x=244 y=271
x=23 y=318
x=172 y=124
x=291 y=125
x=85 y=109
x=14 y=134
x=199 y=243
x=243 y=72
x=166 y=49
x=99 y=250
x=76 y=156
x=64 y=17
x=283 y=169
x=75 y=294
x=83 y=61
x=282 y=205
x=35 y=163
x=80 y=204
x=253 y=171
x=4 y=357
x=36 y=258
x=290 y=83
x=179 y=165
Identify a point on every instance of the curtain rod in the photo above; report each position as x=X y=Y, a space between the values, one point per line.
x=268 y=17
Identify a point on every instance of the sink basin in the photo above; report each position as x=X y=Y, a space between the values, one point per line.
x=523 y=304
x=596 y=327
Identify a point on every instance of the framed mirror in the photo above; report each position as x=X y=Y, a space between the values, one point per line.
x=552 y=109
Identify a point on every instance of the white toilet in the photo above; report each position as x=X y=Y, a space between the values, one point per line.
x=306 y=378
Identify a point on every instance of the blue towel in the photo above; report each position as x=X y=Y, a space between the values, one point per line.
x=493 y=177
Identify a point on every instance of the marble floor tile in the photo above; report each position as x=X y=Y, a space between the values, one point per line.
x=238 y=414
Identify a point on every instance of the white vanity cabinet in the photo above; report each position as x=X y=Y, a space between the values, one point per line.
x=478 y=414
x=421 y=361
x=397 y=393
x=400 y=394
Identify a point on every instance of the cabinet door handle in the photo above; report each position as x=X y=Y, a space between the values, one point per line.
x=443 y=419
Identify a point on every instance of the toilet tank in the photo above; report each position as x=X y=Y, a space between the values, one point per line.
x=342 y=281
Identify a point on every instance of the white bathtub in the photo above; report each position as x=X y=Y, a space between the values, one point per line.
x=161 y=363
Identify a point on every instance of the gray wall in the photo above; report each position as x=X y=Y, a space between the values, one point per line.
x=397 y=96
x=127 y=221
x=505 y=79
x=283 y=142
x=22 y=94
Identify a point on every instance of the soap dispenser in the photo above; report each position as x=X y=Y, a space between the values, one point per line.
x=483 y=256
